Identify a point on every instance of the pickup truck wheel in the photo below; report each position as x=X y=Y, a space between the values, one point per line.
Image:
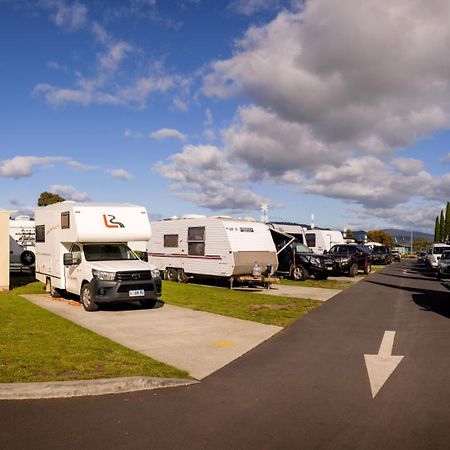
x=299 y=273
x=353 y=270
x=368 y=269
x=86 y=298
x=171 y=275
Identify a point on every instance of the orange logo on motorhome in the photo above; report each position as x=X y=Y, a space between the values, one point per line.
x=110 y=221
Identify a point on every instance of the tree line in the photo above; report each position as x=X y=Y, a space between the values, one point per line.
x=442 y=225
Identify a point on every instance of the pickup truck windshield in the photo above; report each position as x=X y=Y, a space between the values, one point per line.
x=108 y=252
x=300 y=248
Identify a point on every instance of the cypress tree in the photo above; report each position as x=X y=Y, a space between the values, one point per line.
x=437 y=230
x=447 y=222
x=442 y=227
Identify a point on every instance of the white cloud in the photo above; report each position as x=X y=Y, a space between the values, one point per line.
x=80 y=166
x=70 y=17
x=168 y=133
x=133 y=134
x=69 y=193
x=250 y=7
x=299 y=68
x=122 y=174
x=53 y=65
x=23 y=166
x=203 y=175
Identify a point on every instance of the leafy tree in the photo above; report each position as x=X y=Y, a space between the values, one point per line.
x=421 y=244
x=349 y=234
x=381 y=236
x=442 y=227
x=48 y=198
x=437 y=230
x=447 y=222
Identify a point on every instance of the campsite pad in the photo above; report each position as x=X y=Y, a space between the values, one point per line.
x=196 y=341
x=282 y=290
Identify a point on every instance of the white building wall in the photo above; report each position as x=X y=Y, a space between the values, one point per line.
x=4 y=250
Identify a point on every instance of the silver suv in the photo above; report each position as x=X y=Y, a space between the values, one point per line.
x=443 y=268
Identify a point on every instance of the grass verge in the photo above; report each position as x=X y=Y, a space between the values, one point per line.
x=268 y=309
x=36 y=345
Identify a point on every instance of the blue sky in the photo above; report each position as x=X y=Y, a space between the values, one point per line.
x=214 y=107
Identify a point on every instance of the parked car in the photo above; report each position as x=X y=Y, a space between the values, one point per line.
x=422 y=257
x=434 y=254
x=443 y=268
x=349 y=259
x=381 y=255
x=396 y=256
x=299 y=263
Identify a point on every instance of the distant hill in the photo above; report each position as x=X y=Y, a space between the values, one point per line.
x=404 y=236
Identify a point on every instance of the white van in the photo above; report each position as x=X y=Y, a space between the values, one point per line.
x=22 y=243
x=220 y=246
x=322 y=240
x=82 y=248
x=434 y=254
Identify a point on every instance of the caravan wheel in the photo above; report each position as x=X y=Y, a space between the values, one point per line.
x=171 y=275
x=181 y=276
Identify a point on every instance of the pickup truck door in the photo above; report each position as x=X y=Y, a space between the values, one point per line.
x=73 y=273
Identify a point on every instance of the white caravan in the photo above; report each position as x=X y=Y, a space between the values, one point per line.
x=22 y=243
x=322 y=240
x=82 y=248
x=293 y=229
x=220 y=246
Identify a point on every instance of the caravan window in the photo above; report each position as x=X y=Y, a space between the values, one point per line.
x=65 y=220
x=171 y=240
x=310 y=239
x=196 y=241
x=40 y=233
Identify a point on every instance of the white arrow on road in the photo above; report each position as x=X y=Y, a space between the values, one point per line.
x=381 y=366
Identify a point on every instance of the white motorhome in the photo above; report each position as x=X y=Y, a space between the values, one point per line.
x=319 y=240
x=82 y=248
x=220 y=246
x=22 y=243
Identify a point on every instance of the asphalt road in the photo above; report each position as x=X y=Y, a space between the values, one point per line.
x=307 y=387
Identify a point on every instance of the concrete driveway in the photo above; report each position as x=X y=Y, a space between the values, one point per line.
x=196 y=341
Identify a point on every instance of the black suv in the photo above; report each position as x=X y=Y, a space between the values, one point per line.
x=381 y=255
x=299 y=262
x=349 y=259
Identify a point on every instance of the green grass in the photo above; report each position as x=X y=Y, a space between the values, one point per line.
x=36 y=345
x=268 y=309
x=325 y=284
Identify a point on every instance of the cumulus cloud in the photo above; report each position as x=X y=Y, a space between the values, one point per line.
x=69 y=193
x=168 y=133
x=249 y=7
x=203 y=175
x=69 y=16
x=23 y=166
x=122 y=174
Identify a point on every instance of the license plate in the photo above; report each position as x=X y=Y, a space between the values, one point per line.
x=137 y=293
x=329 y=268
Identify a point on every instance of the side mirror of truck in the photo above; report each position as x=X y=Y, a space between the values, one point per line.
x=325 y=252
x=69 y=260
